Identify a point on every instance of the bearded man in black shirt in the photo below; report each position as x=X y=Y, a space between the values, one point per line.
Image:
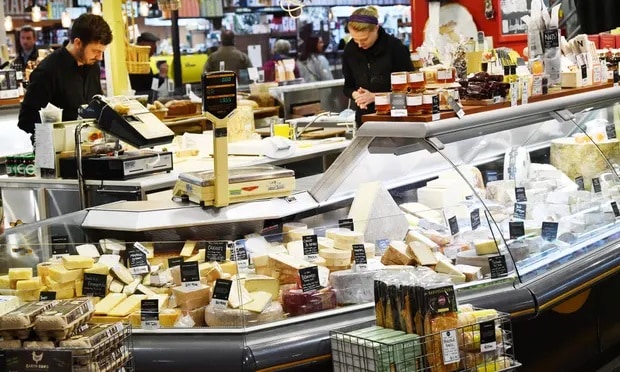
x=70 y=76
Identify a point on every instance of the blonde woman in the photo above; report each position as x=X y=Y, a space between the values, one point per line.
x=369 y=59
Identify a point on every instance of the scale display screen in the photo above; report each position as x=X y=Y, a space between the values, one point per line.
x=219 y=93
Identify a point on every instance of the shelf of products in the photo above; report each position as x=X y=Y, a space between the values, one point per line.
x=500 y=205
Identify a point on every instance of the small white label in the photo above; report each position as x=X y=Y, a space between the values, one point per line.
x=311 y=257
x=170 y=85
x=428 y=99
x=188 y=89
x=220 y=304
x=253 y=73
x=399 y=78
x=191 y=285
x=444 y=74
x=222 y=66
x=435 y=117
x=490 y=346
x=414 y=100
x=382 y=99
x=450 y=347
x=398 y=112
x=243 y=265
x=525 y=94
x=416 y=77
x=59 y=257
x=514 y=94
x=150 y=324
x=155 y=83
x=139 y=270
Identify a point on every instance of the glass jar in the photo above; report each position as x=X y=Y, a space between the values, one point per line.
x=382 y=103
x=414 y=103
x=399 y=82
x=446 y=75
x=427 y=102
x=415 y=82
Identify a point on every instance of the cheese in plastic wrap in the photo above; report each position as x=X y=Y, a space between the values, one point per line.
x=353 y=287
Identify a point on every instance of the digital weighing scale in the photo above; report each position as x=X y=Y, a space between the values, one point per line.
x=128 y=165
x=219 y=187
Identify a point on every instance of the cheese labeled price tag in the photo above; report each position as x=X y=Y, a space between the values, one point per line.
x=520 y=211
x=94 y=285
x=488 y=341
x=221 y=292
x=174 y=261
x=381 y=245
x=435 y=113
x=525 y=94
x=610 y=129
x=497 y=265
x=450 y=347
x=549 y=231
x=309 y=277
x=456 y=107
x=59 y=246
x=359 y=255
x=516 y=228
x=454 y=225
x=190 y=275
x=520 y=194
x=346 y=223
x=149 y=314
x=136 y=260
x=47 y=296
x=311 y=247
x=614 y=207
x=474 y=218
x=596 y=185
x=216 y=250
x=580 y=183
x=514 y=94
x=240 y=255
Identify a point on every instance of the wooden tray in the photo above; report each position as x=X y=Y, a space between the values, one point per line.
x=312 y=133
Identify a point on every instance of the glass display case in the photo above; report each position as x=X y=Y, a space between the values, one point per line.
x=503 y=204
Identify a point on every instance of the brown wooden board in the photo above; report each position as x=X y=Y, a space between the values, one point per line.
x=324 y=133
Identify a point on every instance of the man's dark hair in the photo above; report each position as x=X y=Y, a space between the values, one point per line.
x=91 y=28
x=159 y=63
x=28 y=28
x=228 y=38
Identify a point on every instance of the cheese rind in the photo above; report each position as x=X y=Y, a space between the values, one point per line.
x=77 y=262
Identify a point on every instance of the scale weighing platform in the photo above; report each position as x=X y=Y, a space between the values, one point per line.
x=244 y=184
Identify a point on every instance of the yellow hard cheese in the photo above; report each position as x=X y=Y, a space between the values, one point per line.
x=415 y=236
x=5 y=282
x=98 y=268
x=29 y=284
x=446 y=267
x=238 y=296
x=19 y=273
x=127 y=306
x=60 y=274
x=263 y=283
x=108 y=303
x=64 y=293
x=192 y=298
x=229 y=267
x=485 y=247
x=28 y=295
x=421 y=253
x=77 y=262
x=43 y=270
x=198 y=257
x=259 y=302
x=188 y=248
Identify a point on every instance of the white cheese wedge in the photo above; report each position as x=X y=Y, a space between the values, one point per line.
x=421 y=253
x=87 y=250
x=238 y=295
x=472 y=273
x=256 y=283
x=259 y=302
x=122 y=274
x=415 y=236
x=422 y=211
x=130 y=288
x=112 y=246
x=188 y=248
x=109 y=259
x=116 y=286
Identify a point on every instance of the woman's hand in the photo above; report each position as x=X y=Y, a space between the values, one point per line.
x=363 y=98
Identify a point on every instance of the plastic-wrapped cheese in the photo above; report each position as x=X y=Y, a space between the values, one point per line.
x=297 y=302
x=238 y=318
x=353 y=287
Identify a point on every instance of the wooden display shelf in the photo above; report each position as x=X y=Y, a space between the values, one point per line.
x=425 y=118
x=11 y=101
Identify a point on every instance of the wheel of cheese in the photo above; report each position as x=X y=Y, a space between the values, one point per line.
x=333 y=269
x=338 y=262
x=325 y=243
x=240 y=318
x=345 y=239
x=297 y=302
x=335 y=254
x=297 y=234
x=331 y=233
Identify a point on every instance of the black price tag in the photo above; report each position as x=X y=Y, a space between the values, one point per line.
x=346 y=223
x=309 y=277
x=136 y=261
x=359 y=255
x=20 y=360
x=520 y=211
x=311 y=247
x=596 y=185
x=221 y=292
x=551 y=38
x=219 y=93
x=381 y=245
x=149 y=314
x=174 y=261
x=59 y=246
x=216 y=250
x=47 y=296
x=239 y=253
x=616 y=78
x=94 y=285
x=498 y=267
x=454 y=225
x=488 y=342
x=190 y=275
x=549 y=230
x=580 y=183
x=436 y=104
x=474 y=218
x=520 y=194
x=517 y=229
x=610 y=129
x=491 y=175
x=614 y=207
x=584 y=72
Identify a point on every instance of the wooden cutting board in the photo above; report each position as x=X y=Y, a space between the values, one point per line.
x=312 y=133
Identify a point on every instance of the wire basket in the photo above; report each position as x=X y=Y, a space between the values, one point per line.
x=376 y=349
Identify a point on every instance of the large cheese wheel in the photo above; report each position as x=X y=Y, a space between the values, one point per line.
x=345 y=239
x=583 y=159
x=297 y=302
x=238 y=318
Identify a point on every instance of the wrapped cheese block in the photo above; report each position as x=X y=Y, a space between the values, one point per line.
x=297 y=302
x=237 y=318
x=583 y=159
x=353 y=287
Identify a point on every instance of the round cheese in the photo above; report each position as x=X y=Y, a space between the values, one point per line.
x=331 y=233
x=237 y=318
x=338 y=261
x=345 y=239
x=297 y=234
x=331 y=254
x=325 y=243
x=290 y=226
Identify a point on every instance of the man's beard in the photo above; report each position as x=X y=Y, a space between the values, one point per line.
x=82 y=57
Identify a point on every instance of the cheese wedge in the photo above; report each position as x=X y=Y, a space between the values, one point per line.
x=199 y=257
x=259 y=302
x=162 y=300
x=483 y=247
x=112 y=246
x=77 y=262
x=98 y=268
x=127 y=306
x=130 y=288
x=109 y=260
x=29 y=284
x=60 y=274
x=256 y=283
x=144 y=290
x=415 y=236
x=192 y=298
x=447 y=268
x=210 y=270
x=421 y=253
x=396 y=254
x=87 y=250
x=20 y=273
x=109 y=302
x=122 y=274
x=229 y=267
x=188 y=248
x=116 y=286
x=167 y=317
x=238 y=295
x=471 y=273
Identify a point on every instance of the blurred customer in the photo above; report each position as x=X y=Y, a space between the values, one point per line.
x=27 y=50
x=143 y=83
x=313 y=66
x=165 y=83
x=281 y=50
x=232 y=58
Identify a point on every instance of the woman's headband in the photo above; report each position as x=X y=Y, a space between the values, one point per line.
x=360 y=18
